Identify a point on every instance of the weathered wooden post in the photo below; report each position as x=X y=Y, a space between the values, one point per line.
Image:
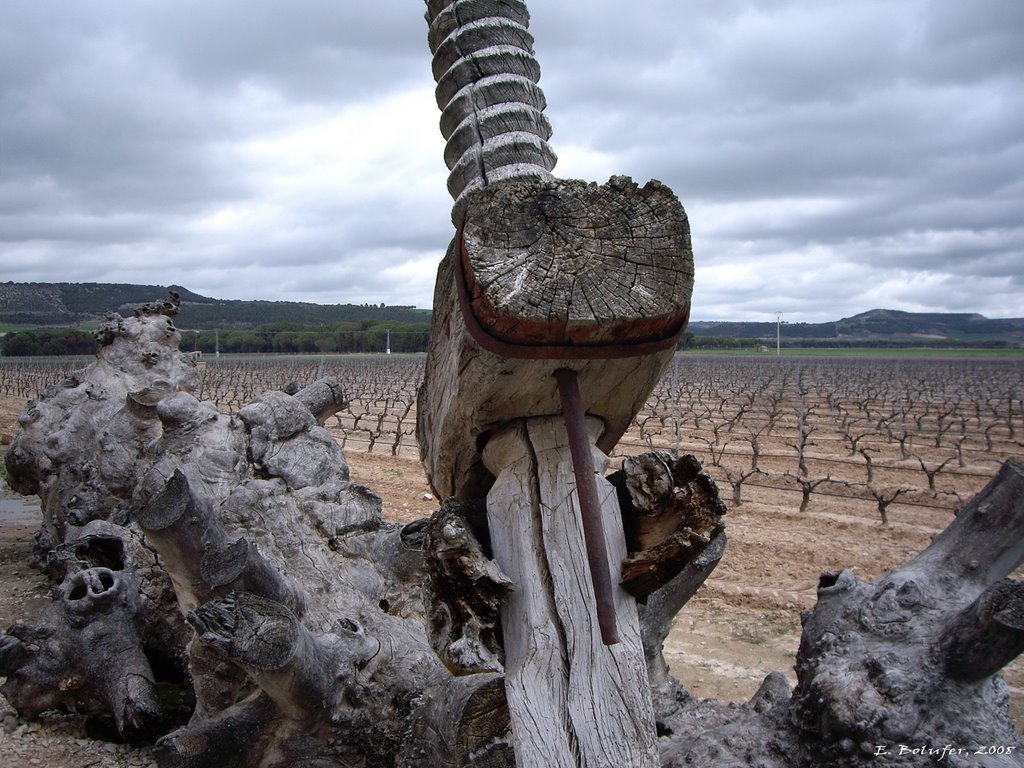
x=556 y=309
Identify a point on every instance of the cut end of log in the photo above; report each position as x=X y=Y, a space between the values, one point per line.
x=571 y=263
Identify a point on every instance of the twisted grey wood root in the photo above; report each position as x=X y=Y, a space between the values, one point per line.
x=491 y=106
x=898 y=672
x=86 y=650
x=291 y=580
x=305 y=643
x=208 y=563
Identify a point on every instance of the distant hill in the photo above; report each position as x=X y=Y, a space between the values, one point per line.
x=65 y=304
x=878 y=325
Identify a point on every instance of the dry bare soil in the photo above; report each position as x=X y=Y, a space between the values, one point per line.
x=744 y=623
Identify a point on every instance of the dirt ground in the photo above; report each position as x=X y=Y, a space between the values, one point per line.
x=743 y=624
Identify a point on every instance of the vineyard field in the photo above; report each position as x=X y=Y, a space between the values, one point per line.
x=825 y=463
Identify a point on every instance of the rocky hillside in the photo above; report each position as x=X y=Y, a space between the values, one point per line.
x=68 y=303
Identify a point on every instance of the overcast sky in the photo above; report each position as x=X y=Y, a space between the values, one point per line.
x=833 y=156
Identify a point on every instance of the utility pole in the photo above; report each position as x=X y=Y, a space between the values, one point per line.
x=387 y=348
x=778 y=334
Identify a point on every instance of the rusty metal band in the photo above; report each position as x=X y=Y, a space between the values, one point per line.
x=590 y=503
x=543 y=351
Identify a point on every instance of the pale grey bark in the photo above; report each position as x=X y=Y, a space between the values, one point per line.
x=574 y=699
x=910 y=659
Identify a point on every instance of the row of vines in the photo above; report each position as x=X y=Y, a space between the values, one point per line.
x=921 y=432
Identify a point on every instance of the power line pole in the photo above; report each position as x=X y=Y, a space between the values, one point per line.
x=387 y=348
x=778 y=334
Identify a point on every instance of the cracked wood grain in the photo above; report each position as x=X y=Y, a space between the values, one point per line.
x=566 y=262
x=573 y=700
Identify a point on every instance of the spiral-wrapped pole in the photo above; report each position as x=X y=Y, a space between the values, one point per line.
x=491 y=106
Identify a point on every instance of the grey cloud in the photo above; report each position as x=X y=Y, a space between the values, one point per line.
x=830 y=154
x=974 y=41
x=908 y=118
x=310 y=50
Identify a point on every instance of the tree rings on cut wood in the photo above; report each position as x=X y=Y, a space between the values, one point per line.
x=554 y=262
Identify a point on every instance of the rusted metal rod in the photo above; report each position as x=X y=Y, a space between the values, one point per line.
x=590 y=505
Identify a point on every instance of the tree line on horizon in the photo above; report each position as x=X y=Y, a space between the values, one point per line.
x=278 y=338
x=54 y=319
x=368 y=336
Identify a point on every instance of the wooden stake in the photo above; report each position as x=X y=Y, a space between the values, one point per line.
x=574 y=701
